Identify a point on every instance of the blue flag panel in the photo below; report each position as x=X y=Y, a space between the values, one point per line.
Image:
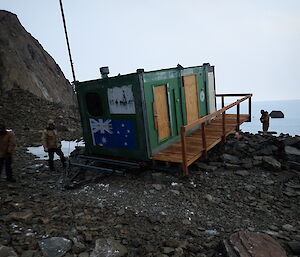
x=113 y=133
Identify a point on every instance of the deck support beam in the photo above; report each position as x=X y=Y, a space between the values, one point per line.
x=238 y=117
x=204 y=145
x=224 y=127
x=249 y=109
x=184 y=152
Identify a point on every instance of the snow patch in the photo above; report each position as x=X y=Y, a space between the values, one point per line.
x=67 y=148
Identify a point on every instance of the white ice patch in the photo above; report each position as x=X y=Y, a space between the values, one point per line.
x=67 y=148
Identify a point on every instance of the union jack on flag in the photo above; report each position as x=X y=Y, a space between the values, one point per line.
x=113 y=133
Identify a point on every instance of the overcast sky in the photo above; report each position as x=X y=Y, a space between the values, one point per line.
x=253 y=44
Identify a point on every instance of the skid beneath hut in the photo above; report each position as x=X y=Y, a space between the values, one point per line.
x=112 y=165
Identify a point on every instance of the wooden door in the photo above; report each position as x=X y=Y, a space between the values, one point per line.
x=191 y=98
x=161 y=112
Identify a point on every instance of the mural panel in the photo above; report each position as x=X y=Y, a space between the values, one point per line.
x=121 y=100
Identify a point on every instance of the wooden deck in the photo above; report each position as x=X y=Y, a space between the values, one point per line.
x=214 y=134
x=213 y=129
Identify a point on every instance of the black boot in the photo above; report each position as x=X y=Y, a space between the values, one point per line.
x=11 y=179
x=51 y=166
x=8 y=169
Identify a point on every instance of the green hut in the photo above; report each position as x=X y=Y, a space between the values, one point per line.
x=137 y=115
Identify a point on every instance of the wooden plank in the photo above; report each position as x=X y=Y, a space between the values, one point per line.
x=214 y=144
x=162 y=112
x=194 y=158
x=191 y=98
x=171 y=158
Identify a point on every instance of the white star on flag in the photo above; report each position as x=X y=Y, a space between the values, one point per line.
x=104 y=140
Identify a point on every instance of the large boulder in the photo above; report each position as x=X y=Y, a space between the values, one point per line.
x=251 y=244
x=276 y=114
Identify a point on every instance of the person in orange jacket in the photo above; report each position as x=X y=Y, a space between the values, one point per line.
x=52 y=144
x=7 y=149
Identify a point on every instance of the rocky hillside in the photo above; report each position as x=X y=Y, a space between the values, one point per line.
x=27 y=115
x=25 y=64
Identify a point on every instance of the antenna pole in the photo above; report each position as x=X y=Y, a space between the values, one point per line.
x=67 y=39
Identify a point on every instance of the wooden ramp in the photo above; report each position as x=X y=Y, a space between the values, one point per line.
x=207 y=133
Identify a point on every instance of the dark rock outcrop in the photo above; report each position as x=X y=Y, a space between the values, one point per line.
x=276 y=114
x=25 y=64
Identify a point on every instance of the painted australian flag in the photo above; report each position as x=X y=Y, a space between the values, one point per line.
x=113 y=133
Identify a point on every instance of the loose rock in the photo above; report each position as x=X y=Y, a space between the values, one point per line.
x=108 y=247
x=55 y=246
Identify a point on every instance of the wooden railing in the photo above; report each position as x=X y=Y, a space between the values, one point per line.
x=202 y=121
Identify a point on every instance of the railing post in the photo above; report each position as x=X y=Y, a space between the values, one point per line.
x=184 y=150
x=238 y=118
x=204 y=140
x=249 y=109
x=224 y=126
x=222 y=100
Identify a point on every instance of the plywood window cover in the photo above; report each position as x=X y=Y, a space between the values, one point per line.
x=191 y=98
x=162 y=115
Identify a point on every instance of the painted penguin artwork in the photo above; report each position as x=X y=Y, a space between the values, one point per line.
x=121 y=100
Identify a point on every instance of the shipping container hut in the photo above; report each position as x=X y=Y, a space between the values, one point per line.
x=137 y=115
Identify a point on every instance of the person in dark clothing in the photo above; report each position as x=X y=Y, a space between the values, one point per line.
x=265 y=120
x=7 y=149
x=52 y=144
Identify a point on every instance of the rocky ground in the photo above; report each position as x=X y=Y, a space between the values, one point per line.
x=250 y=183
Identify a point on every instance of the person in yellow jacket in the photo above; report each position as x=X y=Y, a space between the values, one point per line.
x=52 y=144
x=7 y=149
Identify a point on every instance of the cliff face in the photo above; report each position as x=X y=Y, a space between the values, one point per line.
x=25 y=64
